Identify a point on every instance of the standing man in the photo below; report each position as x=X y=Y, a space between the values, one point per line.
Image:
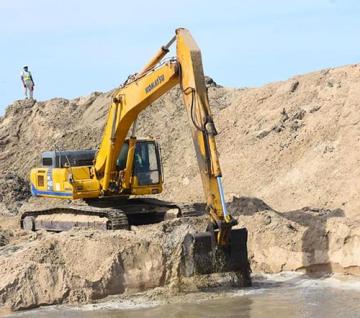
x=28 y=82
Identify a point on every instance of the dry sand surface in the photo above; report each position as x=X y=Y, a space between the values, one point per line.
x=292 y=144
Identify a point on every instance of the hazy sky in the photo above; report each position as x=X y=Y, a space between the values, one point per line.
x=76 y=47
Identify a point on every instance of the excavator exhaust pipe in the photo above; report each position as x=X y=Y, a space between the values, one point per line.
x=201 y=255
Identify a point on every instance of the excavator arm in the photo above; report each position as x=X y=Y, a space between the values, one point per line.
x=146 y=87
x=137 y=93
x=192 y=82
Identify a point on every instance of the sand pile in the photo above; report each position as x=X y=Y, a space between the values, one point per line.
x=82 y=266
x=292 y=144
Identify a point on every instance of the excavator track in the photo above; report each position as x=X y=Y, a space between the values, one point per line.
x=148 y=210
x=106 y=214
x=117 y=220
x=60 y=219
x=191 y=210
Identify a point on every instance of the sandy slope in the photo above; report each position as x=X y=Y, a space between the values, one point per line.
x=293 y=144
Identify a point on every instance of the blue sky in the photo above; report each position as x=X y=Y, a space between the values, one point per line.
x=76 y=47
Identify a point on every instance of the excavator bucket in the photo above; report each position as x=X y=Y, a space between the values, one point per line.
x=201 y=255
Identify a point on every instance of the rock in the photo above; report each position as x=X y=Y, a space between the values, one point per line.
x=171 y=214
x=263 y=133
x=4 y=240
x=299 y=114
x=247 y=206
x=315 y=109
x=210 y=82
x=288 y=87
x=296 y=124
x=13 y=191
x=294 y=85
x=284 y=116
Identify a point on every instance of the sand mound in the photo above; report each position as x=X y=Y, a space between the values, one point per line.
x=292 y=144
x=81 y=266
x=312 y=240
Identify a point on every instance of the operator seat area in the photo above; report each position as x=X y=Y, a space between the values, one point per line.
x=146 y=167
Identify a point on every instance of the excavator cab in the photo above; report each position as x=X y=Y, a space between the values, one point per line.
x=146 y=176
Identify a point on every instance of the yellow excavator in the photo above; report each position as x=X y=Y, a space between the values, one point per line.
x=126 y=166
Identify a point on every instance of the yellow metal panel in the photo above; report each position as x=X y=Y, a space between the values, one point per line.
x=38 y=178
x=59 y=176
x=80 y=173
x=149 y=189
x=50 y=185
x=86 y=185
x=143 y=190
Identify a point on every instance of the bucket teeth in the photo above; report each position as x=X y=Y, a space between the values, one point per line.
x=200 y=255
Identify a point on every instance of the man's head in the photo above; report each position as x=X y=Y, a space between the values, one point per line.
x=25 y=68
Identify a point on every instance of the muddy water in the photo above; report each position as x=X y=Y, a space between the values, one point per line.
x=280 y=296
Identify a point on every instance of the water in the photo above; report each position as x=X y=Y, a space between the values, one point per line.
x=280 y=296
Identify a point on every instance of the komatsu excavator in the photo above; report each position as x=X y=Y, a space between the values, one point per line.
x=129 y=166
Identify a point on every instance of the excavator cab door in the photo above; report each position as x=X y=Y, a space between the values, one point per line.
x=147 y=167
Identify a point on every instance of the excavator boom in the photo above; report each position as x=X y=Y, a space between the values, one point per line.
x=146 y=87
x=221 y=248
x=127 y=103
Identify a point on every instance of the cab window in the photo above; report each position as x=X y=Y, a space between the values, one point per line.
x=121 y=162
x=146 y=163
